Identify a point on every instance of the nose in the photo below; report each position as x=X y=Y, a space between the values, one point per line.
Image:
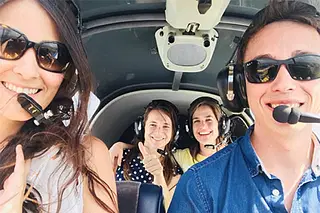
x=157 y=129
x=27 y=65
x=283 y=82
x=202 y=124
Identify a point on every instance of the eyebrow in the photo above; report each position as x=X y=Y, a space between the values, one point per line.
x=302 y=52
x=263 y=56
x=294 y=53
x=154 y=122
x=208 y=116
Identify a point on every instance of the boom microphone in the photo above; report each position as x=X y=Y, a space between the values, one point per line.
x=34 y=109
x=285 y=114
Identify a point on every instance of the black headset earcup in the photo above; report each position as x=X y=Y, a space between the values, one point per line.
x=188 y=128
x=225 y=128
x=138 y=128
x=224 y=125
x=176 y=136
x=62 y=108
x=236 y=104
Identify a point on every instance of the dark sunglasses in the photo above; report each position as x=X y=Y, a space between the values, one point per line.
x=52 y=56
x=301 y=68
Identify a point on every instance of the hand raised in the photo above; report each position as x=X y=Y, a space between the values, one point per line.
x=116 y=154
x=12 y=195
x=151 y=160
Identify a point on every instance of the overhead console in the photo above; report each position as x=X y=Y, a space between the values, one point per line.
x=188 y=42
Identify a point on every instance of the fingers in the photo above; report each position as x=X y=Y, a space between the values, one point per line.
x=112 y=161
x=143 y=150
x=149 y=158
x=20 y=171
x=152 y=164
x=116 y=154
x=116 y=161
x=153 y=168
x=19 y=168
x=114 y=165
x=113 y=154
x=119 y=160
x=14 y=185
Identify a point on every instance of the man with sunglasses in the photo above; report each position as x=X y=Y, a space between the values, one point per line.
x=275 y=167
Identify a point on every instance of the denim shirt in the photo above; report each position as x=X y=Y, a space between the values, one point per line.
x=234 y=180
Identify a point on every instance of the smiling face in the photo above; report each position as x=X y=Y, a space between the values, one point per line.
x=158 y=130
x=205 y=125
x=282 y=40
x=24 y=75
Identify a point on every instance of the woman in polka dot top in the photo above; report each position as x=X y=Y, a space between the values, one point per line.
x=155 y=134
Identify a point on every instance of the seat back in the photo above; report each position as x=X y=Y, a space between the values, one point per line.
x=136 y=197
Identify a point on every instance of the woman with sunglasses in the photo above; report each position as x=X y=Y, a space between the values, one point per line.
x=275 y=167
x=51 y=165
x=150 y=159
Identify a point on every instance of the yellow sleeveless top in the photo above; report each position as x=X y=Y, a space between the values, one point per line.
x=185 y=160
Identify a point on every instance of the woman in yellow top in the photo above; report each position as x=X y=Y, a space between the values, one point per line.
x=206 y=124
x=209 y=127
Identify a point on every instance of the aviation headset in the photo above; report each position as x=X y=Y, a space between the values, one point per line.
x=232 y=88
x=167 y=106
x=231 y=79
x=223 y=122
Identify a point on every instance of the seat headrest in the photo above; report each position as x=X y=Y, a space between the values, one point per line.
x=136 y=197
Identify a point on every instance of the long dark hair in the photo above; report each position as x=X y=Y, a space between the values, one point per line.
x=37 y=140
x=215 y=107
x=279 y=10
x=169 y=164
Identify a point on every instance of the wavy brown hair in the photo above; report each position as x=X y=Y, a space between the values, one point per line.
x=216 y=109
x=37 y=140
x=169 y=164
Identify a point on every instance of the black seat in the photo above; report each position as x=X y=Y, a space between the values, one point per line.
x=136 y=197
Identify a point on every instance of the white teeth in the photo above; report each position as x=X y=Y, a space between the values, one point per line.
x=157 y=139
x=17 y=89
x=289 y=105
x=204 y=133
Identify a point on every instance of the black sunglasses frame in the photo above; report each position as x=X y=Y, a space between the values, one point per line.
x=37 y=48
x=272 y=67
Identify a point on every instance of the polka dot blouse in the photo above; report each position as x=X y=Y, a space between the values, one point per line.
x=137 y=171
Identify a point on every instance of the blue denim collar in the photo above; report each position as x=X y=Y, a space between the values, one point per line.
x=255 y=165
x=315 y=165
x=250 y=156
